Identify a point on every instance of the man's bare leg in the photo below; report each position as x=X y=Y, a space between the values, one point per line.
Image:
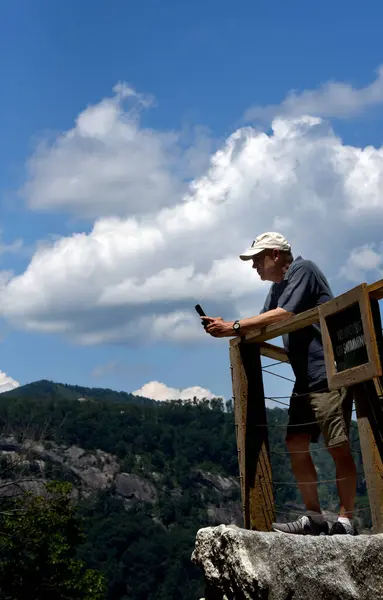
x=346 y=474
x=304 y=469
x=305 y=473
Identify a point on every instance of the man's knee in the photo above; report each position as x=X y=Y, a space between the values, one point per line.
x=298 y=442
x=341 y=451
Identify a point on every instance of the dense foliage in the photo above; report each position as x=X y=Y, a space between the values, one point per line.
x=163 y=437
x=39 y=537
x=144 y=549
x=142 y=558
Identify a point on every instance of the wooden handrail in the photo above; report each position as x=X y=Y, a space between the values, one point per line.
x=272 y=331
x=375 y=290
x=304 y=319
x=274 y=352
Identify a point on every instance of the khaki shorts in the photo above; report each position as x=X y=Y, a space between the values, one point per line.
x=326 y=412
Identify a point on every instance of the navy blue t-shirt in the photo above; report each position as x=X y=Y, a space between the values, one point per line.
x=303 y=287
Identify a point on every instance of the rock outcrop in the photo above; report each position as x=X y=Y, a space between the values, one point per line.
x=28 y=464
x=227 y=488
x=133 y=487
x=241 y=565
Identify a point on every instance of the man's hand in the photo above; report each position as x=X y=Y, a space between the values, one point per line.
x=217 y=327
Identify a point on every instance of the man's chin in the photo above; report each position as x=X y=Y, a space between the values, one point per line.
x=264 y=278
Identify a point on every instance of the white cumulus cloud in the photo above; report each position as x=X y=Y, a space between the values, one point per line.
x=7 y=383
x=333 y=99
x=107 y=164
x=160 y=391
x=361 y=262
x=136 y=278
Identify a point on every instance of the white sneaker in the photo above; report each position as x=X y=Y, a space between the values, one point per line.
x=302 y=526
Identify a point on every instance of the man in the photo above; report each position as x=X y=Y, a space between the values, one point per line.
x=298 y=285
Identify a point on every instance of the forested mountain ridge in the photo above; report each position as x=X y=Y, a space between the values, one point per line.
x=146 y=477
x=45 y=390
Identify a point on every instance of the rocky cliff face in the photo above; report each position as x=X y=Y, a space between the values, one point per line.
x=28 y=464
x=246 y=565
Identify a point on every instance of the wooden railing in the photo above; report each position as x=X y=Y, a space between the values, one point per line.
x=364 y=378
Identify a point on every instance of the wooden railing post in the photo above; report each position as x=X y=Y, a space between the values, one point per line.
x=369 y=410
x=252 y=437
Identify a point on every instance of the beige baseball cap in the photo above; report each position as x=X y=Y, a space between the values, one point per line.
x=266 y=241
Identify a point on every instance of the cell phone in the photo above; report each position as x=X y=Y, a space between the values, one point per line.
x=201 y=313
x=199 y=310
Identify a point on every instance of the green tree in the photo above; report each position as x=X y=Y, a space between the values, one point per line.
x=39 y=537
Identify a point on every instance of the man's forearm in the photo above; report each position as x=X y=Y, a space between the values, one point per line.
x=260 y=321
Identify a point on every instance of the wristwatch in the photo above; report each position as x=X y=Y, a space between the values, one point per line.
x=236 y=326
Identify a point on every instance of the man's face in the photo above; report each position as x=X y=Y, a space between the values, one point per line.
x=268 y=265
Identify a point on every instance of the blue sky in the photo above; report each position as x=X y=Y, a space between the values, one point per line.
x=113 y=306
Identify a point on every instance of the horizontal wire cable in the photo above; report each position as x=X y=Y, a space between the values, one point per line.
x=277 y=401
x=295 y=395
x=274 y=364
x=322 y=449
x=279 y=397
x=358 y=473
x=309 y=482
x=280 y=376
x=286 y=424
x=298 y=424
x=302 y=513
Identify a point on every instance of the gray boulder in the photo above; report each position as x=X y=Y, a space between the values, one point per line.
x=134 y=487
x=239 y=564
